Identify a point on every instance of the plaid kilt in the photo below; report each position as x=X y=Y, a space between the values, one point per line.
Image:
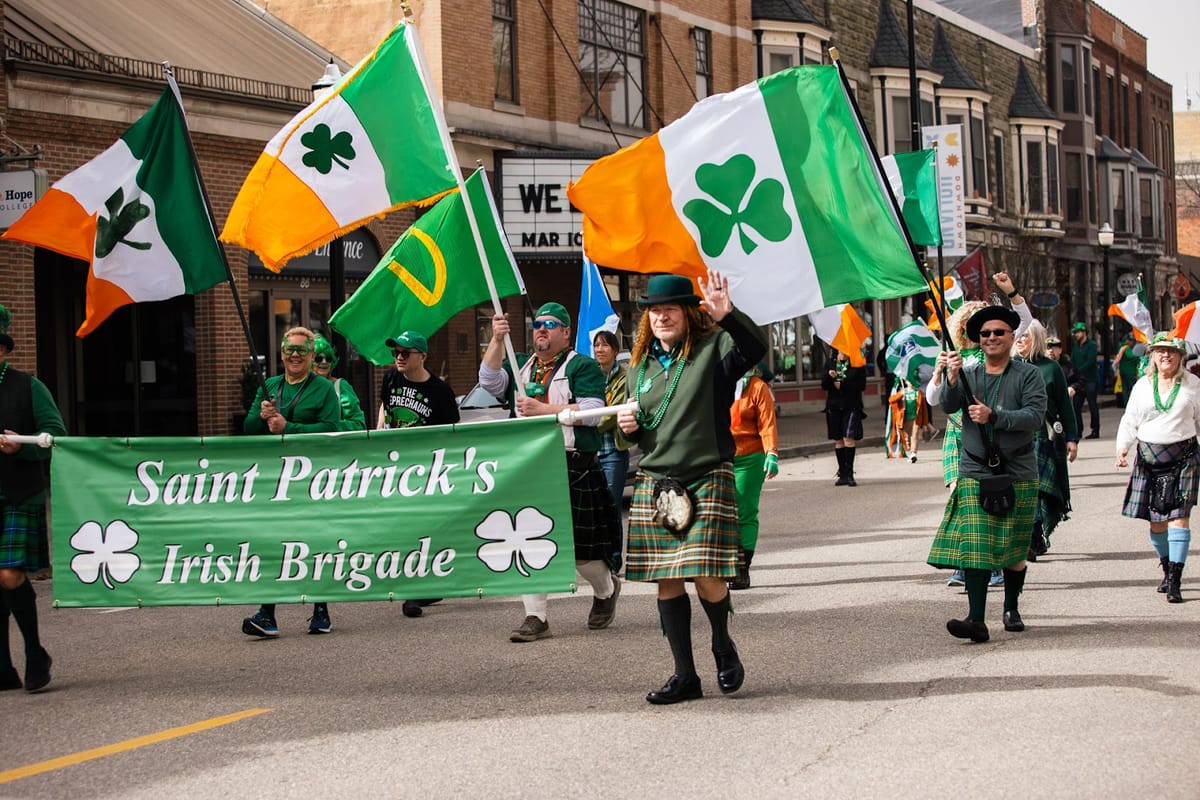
x=710 y=548
x=1137 y=494
x=1054 y=493
x=971 y=538
x=23 y=541
x=597 y=526
x=950 y=447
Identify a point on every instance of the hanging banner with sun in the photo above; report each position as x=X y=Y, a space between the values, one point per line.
x=478 y=509
x=952 y=209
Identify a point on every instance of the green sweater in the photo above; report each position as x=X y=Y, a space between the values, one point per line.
x=46 y=419
x=693 y=437
x=1018 y=399
x=1058 y=401
x=309 y=406
x=1083 y=356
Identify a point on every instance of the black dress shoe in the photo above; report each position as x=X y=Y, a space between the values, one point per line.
x=968 y=629
x=1013 y=622
x=1093 y=435
x=37 y=671
x=730 y=672
x=676 y=690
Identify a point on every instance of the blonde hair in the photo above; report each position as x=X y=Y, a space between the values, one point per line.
x=696 y=325
x=1037 y=341
x=298 y=331
x=957 y=324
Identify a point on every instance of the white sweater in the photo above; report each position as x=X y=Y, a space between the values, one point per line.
x=1143 y=422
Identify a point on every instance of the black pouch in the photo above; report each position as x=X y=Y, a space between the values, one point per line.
x=1164 y=487
x=996 y=494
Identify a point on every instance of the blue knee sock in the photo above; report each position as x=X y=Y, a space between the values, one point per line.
x=1159 y=541
x=1177 y=540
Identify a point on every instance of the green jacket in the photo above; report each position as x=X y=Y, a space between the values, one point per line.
x=1058 y=401
x=693 y=436
x=1083 y=356
x=310 y=406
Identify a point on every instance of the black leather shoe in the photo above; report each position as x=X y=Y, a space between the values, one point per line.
x=968 y=629
x=676 y=690
x=1093 y=435
x=1013 y=622
x=37 y=671
x=730 y=672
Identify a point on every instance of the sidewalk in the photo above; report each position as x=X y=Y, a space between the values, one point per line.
x=804 y=434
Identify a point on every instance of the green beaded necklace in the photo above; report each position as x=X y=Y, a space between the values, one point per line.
x=3 y=371
x=647 y=422
x=1158 y=403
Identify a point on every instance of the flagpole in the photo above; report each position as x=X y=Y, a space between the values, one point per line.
x=879 y=175
x=237 y=300
x=418 y=52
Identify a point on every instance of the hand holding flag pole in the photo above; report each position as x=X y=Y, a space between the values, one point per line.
x=879 y=174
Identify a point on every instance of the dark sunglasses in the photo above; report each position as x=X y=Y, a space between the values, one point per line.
x=404 y=353
x=990 y=332
x=296 y=350
x=548 y=324
x=322 y=360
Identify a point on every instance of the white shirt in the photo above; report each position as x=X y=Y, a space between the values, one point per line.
x=1142 y=421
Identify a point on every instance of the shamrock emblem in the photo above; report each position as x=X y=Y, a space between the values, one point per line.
x=105 y=554
x=111 y=232
x=761 y=210
x=324 y=149
x=520 y=541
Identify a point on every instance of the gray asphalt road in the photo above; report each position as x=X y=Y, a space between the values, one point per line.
x=854 y=687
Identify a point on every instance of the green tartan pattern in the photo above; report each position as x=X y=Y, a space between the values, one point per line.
x=950 y=447
x=1053 y=497
x=710 y=548
x=23 y=542
x=971 y=538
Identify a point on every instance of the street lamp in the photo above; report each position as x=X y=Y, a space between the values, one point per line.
x=1105 y=239
x=337 y=257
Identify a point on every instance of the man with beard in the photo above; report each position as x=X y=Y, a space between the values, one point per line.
x=555 y=378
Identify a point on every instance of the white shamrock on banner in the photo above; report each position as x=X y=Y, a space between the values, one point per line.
x=105 y=553
x=519 y=541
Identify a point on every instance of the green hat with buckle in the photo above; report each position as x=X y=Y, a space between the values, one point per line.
x=1167 y=341
x=410 y=339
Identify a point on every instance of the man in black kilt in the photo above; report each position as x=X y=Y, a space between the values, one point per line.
x=555 y=378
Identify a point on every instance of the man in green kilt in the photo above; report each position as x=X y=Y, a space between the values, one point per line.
x=989 y=516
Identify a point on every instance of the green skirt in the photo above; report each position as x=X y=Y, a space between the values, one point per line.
x=971 y=538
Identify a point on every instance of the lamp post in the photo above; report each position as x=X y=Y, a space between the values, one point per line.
x=1105 y=239
x=337 y=256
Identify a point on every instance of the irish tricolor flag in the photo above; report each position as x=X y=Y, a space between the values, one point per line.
x=136 y=214
x=1187 y=323
x=772 y=184
x=843 y=329
x=370 y=146
x=1134 y=310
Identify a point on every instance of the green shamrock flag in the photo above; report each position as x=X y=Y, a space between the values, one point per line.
x=431 y=273
x=773 y=184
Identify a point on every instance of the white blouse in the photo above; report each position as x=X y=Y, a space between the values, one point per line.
x=1142 y=421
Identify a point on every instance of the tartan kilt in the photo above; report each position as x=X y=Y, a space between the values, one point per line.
x=971 y=538
x=950 y=447
x=1137 y=494
x=1053 y=498
x=597 y=526
x=710 y=548
x=23 y=541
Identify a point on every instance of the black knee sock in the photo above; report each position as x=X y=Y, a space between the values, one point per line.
x=5 y=654
x=840 y=452
x=1014 y=582
x=22 y=602
x=320 y=607
x=718 y=617
x=977 y=586
x=268 y=609
x=676 y=617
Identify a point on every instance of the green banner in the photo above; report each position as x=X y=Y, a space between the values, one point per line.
x=447 y=511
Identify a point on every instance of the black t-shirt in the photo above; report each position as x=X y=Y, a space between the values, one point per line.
x=406 y=403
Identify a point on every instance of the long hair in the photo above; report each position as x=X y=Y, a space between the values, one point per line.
x=696 y=325
x=1037 y=342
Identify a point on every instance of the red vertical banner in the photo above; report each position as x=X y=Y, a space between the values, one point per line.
x=972 y=274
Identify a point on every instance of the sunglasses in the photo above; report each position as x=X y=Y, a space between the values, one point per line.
x=296 y=350
x=322 y=360
x=404 y=353
x=990 y=332
x=548 y=324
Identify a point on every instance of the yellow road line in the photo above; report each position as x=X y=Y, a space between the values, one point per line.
x=128 y=744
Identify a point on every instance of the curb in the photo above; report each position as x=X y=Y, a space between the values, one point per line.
x=823 y=448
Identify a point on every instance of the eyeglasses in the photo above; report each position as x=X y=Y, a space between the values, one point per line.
x=323 y=360
x=404 y=353
x=548 y=324
x=990 y=332
x=296 y=350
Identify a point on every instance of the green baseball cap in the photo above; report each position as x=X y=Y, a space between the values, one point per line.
x=410 y=339
x=556 y=310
